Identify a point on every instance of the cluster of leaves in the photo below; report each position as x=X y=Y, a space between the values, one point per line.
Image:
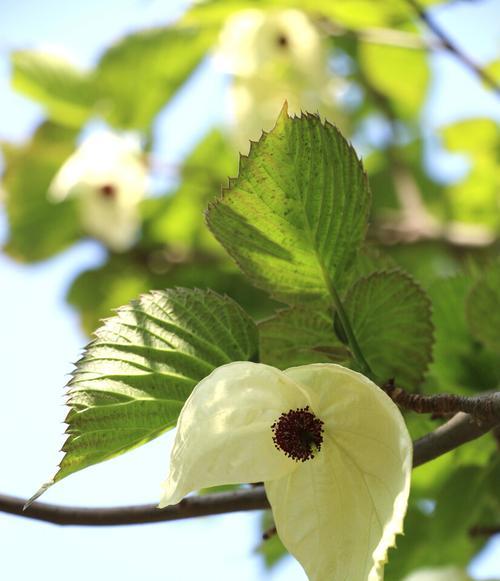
x=295 y=221
x=365 y=42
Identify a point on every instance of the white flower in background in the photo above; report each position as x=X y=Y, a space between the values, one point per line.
x=332 y=450
x=253 y=42
x=439 y=574
x=108 y=177
x=273 y=56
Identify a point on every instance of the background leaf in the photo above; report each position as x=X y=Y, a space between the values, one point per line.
x=38 y=228
x=297 y=212
x=161 y=60
x=399 y=73
x=67 y=93
x=483 y=308
x=96 y=292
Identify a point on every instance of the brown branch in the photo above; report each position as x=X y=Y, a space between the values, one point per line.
x=460 y=429
x=483 y=407
x=484 y=530
x=193 y=506
x=453 y=48
x=395 y=229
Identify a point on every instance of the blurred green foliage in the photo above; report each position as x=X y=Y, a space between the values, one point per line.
x=444 y=233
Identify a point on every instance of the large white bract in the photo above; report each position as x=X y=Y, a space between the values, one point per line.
x=332 y=450
x=108 y=177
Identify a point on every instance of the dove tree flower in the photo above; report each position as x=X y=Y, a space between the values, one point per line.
x=332 y=450
x=273 y=56
x=109 y=178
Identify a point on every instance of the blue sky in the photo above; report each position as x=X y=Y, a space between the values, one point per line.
x=40 y=337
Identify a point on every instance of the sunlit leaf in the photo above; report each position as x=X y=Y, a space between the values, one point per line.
x=473 y=136
x=475 y=198
x=297 y=213
x=133 y=379
x=350 y=13
x=401 y=74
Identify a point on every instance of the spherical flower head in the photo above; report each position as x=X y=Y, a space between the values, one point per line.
x=438 y=574
x=108 y=177
x=332 y=450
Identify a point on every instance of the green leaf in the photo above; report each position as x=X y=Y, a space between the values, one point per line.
x=350 y=13
x=67 y=93
x=493 y=69
x=472 y=136
x=461 y=364
x=300 y=336
x=297 y=213
x=483 y=308
x=439 y=534
x=401 y=74
x=38 y=228
x=271 y=550
x=474 y=199
x=134 y=378
x=452 y=334
x=391 y=318
x=140 y=74
x=306 y=333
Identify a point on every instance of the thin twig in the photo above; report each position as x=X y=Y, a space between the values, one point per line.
x=460 y=429
x=379 y=35
x=453 y=48
x=269 y=534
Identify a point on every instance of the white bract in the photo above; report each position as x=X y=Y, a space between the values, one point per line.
x=108 y=177
x=253 y=42
x=438 y=574
x=273 y=56
x=332 y=450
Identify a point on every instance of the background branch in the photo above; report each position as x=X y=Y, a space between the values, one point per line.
x=460 y=429
x=484 y=531
x=453 y=48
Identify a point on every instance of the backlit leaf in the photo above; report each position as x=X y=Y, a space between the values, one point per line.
x=133 y=379
x=296 y=215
